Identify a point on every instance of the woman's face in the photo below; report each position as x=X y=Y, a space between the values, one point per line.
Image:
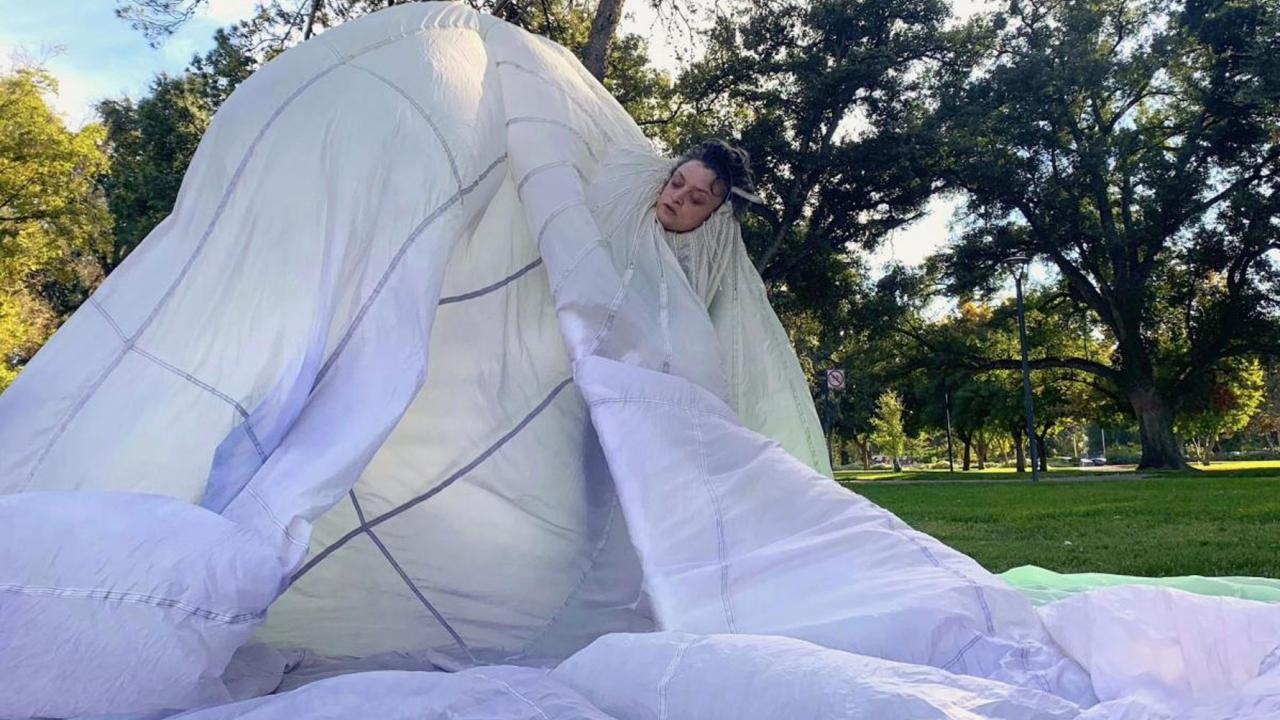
x=689 y=197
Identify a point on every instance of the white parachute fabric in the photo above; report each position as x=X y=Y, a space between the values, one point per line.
x=344 y=339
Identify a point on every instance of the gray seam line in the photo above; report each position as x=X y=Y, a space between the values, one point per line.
x=458 y=474
x=664 y=311
x=131 y=345
x=961 y=653
x=523 y=119
x=490 y=288
x=1037 y=675
x=232 y=184
x=537 y=708
x=453 y=163
x=577 y=587
x=665 y=403
x=539 y=169
x=395 y=263
x=721 y=544
x=573 y=264
x=616 y=303
x=982 y=598
x=110 y=320
x=557 y=87
x=670 y=675
x=244 y=414
x=275 y=520
x=137 y=598
x=405 y=576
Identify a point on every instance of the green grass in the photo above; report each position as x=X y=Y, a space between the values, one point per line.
x=1222 y=522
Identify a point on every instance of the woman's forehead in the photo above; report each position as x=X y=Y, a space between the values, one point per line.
x=701 y=176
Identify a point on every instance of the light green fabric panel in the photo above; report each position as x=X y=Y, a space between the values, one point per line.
x=1043 y=586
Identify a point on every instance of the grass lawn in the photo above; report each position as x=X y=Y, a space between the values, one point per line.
x=1224 y=521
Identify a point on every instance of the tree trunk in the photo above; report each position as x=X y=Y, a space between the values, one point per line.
x=1160 y=447
x=967 y=444
x=1017 y=449
x=1041 y=457
x=603 y=28
x=311 y=19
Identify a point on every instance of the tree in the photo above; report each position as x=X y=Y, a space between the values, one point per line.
x=888 y=434
x=1228 y=401
x=828 y=97
x=51 y=216
x=151 y=141
x=1265 y=423
x=1134 y=147
x=282 y=23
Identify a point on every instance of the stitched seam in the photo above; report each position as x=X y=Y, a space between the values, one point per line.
x=139 y=599
x=670 y=675
x=130 y=345
x=405 y=577
x=567 y=93
x=538 y=170
x=591 y=565
x=529 y=119
x=1025 y=654
x=684 y=407
x=616 y=303
x=537 y=708
x=448 y=151
x=664 y=310
x=961 y=653
x=395 y=263
x=982 y=598
x=440 y=487
x=274 y=520
x=463 y=297
x=721 y=543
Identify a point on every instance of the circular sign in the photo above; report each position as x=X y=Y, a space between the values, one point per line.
x=835 y=379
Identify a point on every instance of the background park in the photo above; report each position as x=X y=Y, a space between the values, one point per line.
x=1119 y=158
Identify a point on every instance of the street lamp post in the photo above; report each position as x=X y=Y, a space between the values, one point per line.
x=1018 y=264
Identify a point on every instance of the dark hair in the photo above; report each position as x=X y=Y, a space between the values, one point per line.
x=732 y=166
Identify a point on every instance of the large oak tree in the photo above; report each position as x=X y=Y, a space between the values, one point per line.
x=1133 y=146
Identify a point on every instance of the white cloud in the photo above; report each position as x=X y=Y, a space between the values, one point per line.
x=225 y=12
x=910 y=245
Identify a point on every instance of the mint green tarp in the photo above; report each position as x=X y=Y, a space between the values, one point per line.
x=1043 y=586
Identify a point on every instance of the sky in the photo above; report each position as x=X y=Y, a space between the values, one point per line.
x=95 y=55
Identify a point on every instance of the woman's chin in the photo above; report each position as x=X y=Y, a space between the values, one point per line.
x=668 y=222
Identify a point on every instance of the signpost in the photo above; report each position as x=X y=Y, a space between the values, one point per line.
x=835 y=383
x=835 y=379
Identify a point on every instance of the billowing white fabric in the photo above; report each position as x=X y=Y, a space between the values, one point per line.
x=783 y=551
x=119 y=602
x=348 y=318
x=499 y=693
x=403 y=252
x=1166 y=646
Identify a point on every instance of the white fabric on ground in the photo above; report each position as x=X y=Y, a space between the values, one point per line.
x=498 y=693
x=678 y=676
x=116 y=602
x=1164 y=646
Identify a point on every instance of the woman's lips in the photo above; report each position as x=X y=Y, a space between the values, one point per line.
x=667 y=206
